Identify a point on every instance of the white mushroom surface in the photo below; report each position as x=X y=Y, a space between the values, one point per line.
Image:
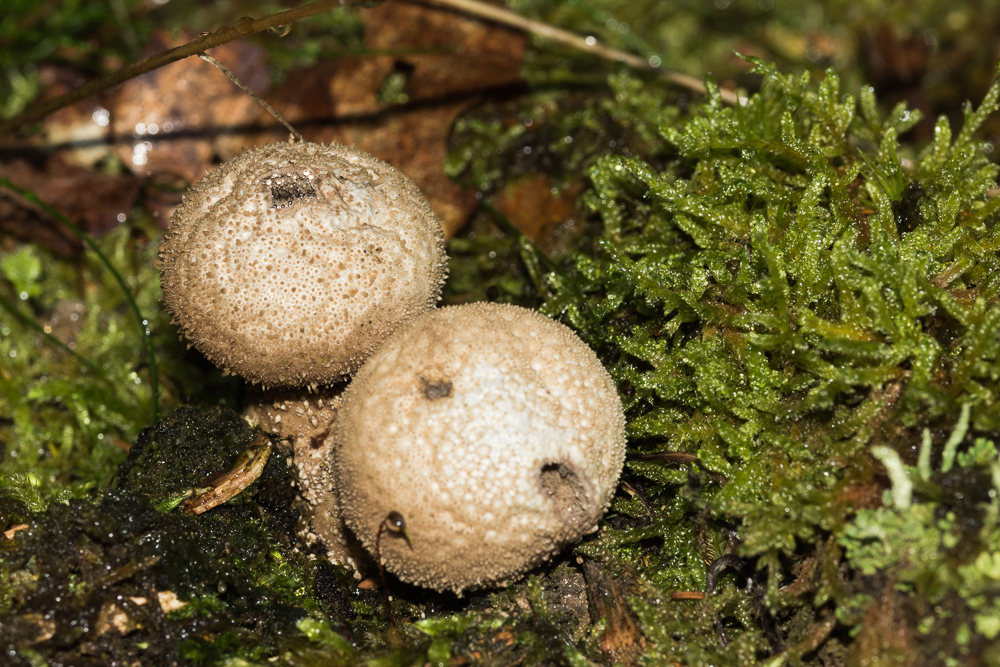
x=494 y=431
x=290 y=263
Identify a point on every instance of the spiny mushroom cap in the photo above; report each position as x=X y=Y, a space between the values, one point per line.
x=494 y=431
x=290 y=263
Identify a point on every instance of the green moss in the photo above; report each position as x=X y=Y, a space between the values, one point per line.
x=788 y=294
x=69 y=395
x=75 y=386
x=785 y=285
x=77 y=566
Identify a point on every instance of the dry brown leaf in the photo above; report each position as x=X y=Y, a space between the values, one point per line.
x=538 y=212
x=94 y=201
x=173 y=120
x=474 y=56
x=339 y=100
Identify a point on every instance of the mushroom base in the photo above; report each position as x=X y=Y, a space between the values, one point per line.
x=307 y=419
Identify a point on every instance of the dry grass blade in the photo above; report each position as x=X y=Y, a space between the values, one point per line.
x=588 y=44
x=229 y=485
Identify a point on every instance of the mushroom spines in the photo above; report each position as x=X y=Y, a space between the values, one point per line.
x=493 y=430
x=288 y=264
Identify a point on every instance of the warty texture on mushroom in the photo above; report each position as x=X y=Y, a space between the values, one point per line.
x=288 y=264
x=494 y=431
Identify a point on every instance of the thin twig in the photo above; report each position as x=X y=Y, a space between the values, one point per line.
x=246 y=89
x=588 y=44
x=687 y=595
x=245 y=27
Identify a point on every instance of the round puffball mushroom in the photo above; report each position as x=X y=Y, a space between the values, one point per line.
x=492 y=430
x=290 y=263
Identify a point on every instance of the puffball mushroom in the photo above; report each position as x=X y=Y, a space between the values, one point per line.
x=288 y=264
x=494 y=431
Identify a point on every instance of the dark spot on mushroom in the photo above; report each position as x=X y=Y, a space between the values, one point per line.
x=289 y=188
x=317 y=441
x=435 y=389
x=567 y=491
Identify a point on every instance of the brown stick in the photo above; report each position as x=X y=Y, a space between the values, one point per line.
x=245 y=27
x=588 y=44
x=687 y=595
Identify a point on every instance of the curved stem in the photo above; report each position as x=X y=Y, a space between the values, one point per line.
x=381 y=571
x=257 y=98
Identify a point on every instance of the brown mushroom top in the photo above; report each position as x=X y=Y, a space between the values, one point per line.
x=494 y=431
x=290 y=263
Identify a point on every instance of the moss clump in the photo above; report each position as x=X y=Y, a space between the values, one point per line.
x=187 y=448
x=782 y=287
x=100 y=578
